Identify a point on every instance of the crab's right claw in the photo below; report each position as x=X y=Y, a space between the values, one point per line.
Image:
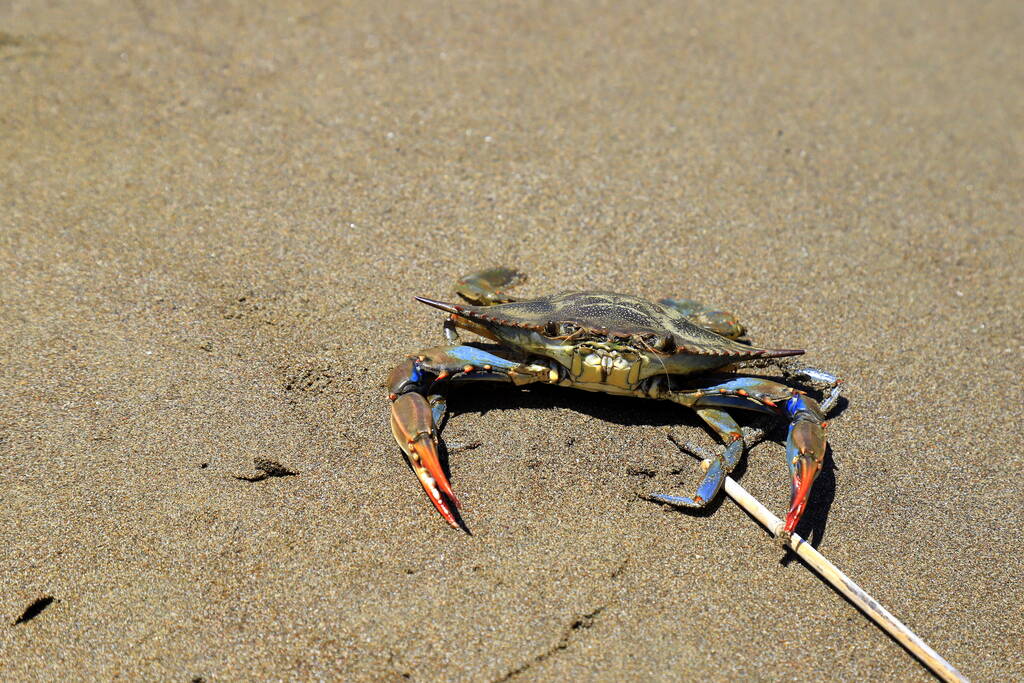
x=413 y=426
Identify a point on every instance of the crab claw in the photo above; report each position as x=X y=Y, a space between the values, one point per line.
x=413 y=426
x=805 y=452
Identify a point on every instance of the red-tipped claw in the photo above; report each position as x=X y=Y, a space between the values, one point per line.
x=413 y=426
x=805 y=451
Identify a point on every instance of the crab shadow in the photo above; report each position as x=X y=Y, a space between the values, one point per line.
x=628 y=411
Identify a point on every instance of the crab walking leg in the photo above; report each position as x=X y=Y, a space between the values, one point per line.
x=717 y=465
x=719 y=322
x=489 y=287
x=416 y=388
x=805 y=443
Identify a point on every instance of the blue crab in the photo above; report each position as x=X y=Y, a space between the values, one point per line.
x=675 y=350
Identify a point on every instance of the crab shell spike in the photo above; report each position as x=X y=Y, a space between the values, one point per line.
x=473 y=313
x=446 y=307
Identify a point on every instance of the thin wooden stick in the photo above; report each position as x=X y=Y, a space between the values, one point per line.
x=842 y=583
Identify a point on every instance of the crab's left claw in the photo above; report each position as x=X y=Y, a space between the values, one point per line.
x=412 y=423
x=805 y=452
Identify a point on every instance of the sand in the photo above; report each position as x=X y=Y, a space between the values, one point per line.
x=212 y=223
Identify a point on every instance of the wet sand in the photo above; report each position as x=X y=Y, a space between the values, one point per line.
x=213 y=223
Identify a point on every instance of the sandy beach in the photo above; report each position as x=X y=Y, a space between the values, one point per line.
x=214 y=218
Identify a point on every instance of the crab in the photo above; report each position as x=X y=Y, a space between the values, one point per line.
x=676 y=350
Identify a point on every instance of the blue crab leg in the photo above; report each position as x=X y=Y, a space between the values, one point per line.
x=416 y=388
x=805 y=443
x=718 y=465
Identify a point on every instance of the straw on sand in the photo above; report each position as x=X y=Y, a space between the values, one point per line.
x=845 y=585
